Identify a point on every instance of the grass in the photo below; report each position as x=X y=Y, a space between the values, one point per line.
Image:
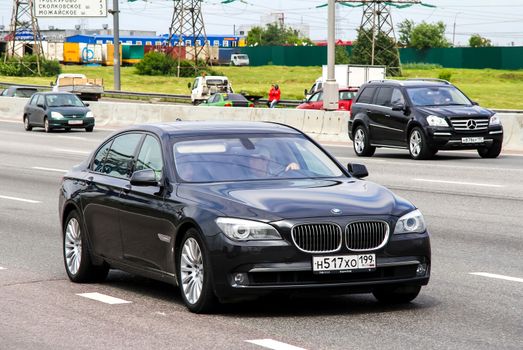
x=490 y=88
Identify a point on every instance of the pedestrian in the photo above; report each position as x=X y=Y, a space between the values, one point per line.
x=276 y=95
x=271 y=96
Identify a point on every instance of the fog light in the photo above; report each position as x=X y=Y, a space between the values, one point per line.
x=421 y=270
x=240 y=278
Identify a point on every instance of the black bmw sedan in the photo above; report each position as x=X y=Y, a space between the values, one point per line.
x=234 y=210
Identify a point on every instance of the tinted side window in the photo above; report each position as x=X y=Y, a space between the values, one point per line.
x=397 y=97
x=150 y=156
x=33 y=100
x=99 y=158
x=316 y=97
x=384 y=96
x=119 y=161
x=41 y=100
x=366 y=95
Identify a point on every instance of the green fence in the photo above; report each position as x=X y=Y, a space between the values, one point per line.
x=460 y=57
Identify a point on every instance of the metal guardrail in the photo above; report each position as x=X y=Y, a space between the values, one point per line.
x=147 y=95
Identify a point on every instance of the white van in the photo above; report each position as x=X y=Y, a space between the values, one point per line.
x=204 y=86
x=239 y=60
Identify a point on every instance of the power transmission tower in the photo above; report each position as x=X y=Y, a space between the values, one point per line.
x=24 y=34
x=377 y=22
x=187 y=23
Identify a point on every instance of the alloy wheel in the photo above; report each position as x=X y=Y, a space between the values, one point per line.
x=73 y=246
x=192 y=270
x=415 y=143
x=359 y=141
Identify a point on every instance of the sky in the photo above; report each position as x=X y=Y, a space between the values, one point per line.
x=501 y=21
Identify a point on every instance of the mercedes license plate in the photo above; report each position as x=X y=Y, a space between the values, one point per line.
x=472 y=140
x=75 y=122
x=343 y=263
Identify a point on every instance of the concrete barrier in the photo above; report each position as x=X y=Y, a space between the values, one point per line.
x=324 y=126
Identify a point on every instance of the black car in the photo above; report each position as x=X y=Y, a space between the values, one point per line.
x=57 y=110
x=234 y=210
x=423 y=115
x=18 y=91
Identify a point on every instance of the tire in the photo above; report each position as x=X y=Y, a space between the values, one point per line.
x=418 y=147
x=27 y=125
x=47 y=128
x=361 y=143
x=89 y=129
x=491 y=152
x=194 y=274
x=77 y=259
x=397 y=294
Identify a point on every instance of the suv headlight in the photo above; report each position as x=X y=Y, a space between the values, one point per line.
x=412 y=222
x=244 y=230
x=89 y=115
x=494 y=120
x=436 y=121
x=57 y=115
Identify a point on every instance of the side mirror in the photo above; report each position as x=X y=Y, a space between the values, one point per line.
x=189 y=85
x=86 y=104
x=359 y=171
x=398 y=107
x=146 y=177
x=305 y=92
x=474 y=103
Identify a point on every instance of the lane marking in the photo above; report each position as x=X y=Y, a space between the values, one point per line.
x=72 y=137
x=104 y=298
x=49 y=169
x=501 y=277
x=273 y=344
x=459 y=183
x=20 y=199
x=2 y=268
x=74 y=151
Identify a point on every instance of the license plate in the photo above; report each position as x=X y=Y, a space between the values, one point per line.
x=343 y=263
x=75 y=122
x=472 y=140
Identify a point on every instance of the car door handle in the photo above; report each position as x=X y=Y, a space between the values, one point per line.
x=387 y=115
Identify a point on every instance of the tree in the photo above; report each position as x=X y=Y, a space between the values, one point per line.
x=342 y=56
x=384 y=51
x=427 y=35
x=275 y=35
x=405 y=32
x=477 y=40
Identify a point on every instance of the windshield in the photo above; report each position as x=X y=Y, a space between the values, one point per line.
x=234 y=97
x=242 y=57
x=63 y=100
x=24 y=92
x=251 y=157
x=216 y=82
x=437 y=96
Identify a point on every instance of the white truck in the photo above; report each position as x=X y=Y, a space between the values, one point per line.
x=204 y=86
x=349 y=76
x=86 y=88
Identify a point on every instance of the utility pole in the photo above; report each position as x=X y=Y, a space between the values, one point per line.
x=187 y=22
x=330 y=89
x=24 y=34
x=116 y=36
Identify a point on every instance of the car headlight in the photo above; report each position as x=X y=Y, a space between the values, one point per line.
x=494 y=120
x=89 y=115
x=436 y=121
x=244 y=230
x=57 y=115
x=412 y=222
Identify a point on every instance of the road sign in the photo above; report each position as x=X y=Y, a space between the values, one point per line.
x=70 y=8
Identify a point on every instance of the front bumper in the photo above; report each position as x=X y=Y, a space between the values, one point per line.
x=271 y=266
x=449 y=139
x=71 y=123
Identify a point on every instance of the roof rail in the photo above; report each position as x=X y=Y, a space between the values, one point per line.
x=430 y=79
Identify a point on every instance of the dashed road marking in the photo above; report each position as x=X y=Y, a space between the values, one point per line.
x=104 y=298
x=459 y=183
x=2 y=268
x=273 y=344
x=20 y=199
x=72 y=137
x=49 y=169
x=73 y=151
x=501 y=277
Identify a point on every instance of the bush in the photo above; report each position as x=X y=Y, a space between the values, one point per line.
x=421 y=66
x=342 y=56
x=156 y=63
x=445 y=75
x=27 y=67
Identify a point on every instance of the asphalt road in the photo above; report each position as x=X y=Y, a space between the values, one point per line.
x=473 y=207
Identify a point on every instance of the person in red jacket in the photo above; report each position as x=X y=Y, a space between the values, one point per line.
x=274 y=96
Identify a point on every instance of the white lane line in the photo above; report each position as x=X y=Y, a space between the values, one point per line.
x=2 y=268
x=65 y=150
x=273 y=344
x=459 y=183
x=20 y=199
x=72 y=137
x=49 y=169
x=104 y=298
x=501 y=277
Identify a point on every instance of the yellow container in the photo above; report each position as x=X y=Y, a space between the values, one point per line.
x=72 y=53
x=108 y=54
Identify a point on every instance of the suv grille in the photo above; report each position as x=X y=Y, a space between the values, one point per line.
x=317 y=238
x=366 y=235
x=470 y=124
